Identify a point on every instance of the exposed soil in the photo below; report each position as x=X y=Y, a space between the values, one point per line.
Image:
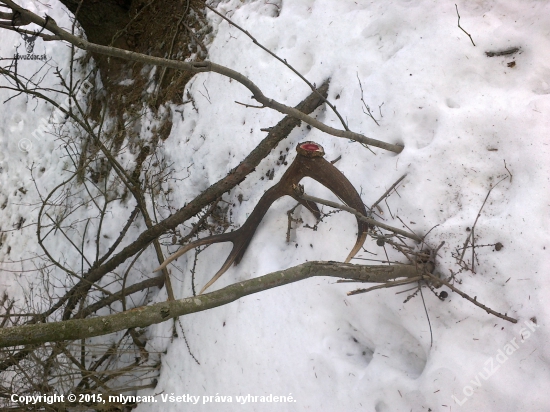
x=176 y=30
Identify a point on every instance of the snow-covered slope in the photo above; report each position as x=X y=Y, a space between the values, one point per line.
x=460 y=115
x=465 y=120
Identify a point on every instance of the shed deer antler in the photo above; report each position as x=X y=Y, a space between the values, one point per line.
x=308 y=163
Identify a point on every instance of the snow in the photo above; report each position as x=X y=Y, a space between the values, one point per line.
x=464 y=119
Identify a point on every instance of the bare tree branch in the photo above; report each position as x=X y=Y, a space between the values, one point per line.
x=160 y=312
x=235 y=176
x=361 y=217
x=197 y=67
x=467 y=297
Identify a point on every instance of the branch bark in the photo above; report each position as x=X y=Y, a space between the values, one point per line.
x=160 y=312
x=137 y=287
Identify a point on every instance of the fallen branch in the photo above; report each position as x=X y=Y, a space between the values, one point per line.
x=197 y=67
x=361 y=217
x=502 y=53
x=148 y=315
x=234 y=177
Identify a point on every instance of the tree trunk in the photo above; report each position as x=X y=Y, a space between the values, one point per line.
x=101 y=19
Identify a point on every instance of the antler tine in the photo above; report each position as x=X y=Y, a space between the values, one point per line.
x=242 y=237
x=361 y=237
x=230 y=259
x=224 y=237
x=317 y=168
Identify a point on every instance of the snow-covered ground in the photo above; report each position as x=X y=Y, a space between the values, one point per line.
x=462 y=117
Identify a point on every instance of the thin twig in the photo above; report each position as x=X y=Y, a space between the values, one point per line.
x=366 y=106
x=387 y=192
x=386 y=285
x=427 y=316
x=312 y=86
x=250 y=105
x=335 y=160
x=399 y=248
x=474 y=300
x=462 y=28
x=510 y=173
x=187 y=343
x=472 y=240
x=470 y=236
x=427 y=233
x=404 y=224
x=361 y=216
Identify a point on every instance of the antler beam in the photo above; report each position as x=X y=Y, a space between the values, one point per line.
x=308 y=163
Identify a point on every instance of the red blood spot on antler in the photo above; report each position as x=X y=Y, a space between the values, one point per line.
x=311 y=147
